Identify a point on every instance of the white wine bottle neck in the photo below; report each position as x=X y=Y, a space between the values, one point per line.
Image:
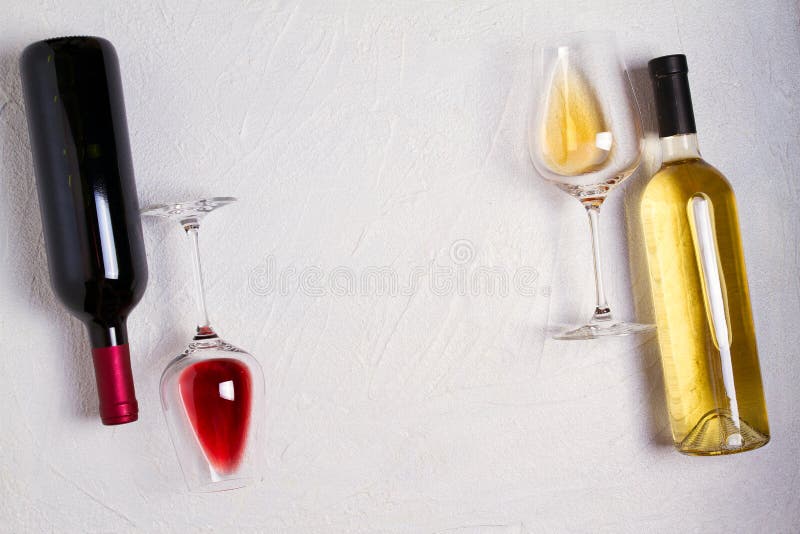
x=679 y=147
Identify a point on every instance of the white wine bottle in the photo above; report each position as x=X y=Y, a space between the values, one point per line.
x=699 y=286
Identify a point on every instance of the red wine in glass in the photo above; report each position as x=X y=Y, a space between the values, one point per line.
x=213 y=393
x=217 y=397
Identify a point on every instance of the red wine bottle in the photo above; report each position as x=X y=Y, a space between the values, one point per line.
x=87 y=196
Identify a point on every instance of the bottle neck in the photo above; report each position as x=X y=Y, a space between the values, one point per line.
x=679 y=147
x=107 y=334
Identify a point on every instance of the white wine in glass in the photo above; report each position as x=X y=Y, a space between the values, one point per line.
x=586 y=138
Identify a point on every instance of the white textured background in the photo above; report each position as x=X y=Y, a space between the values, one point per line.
x=365 y=134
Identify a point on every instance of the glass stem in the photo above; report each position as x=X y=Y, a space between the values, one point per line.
x=602 y=311
x=204 y=330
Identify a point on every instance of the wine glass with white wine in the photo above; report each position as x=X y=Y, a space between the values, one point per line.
x=586 y=138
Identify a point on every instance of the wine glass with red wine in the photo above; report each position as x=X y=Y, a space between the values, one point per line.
x=213 y=393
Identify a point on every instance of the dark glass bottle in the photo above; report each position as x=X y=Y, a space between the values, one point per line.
x=88 y=201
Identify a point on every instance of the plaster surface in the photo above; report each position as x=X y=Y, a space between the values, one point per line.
x=375 y=137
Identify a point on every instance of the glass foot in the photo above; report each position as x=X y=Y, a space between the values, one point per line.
x=605 y=329
x=187 y=211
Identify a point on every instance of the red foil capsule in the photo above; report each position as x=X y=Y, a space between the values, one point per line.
x=112 y=369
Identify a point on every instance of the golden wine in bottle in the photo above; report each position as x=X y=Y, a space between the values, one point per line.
x=699 y=286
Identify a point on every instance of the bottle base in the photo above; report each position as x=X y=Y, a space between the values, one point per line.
x=717 y=434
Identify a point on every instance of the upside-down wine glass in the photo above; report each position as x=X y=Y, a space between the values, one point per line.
x=213 y=393
x=586 y=138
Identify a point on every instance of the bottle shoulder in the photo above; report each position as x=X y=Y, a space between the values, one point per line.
x=686 y=178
